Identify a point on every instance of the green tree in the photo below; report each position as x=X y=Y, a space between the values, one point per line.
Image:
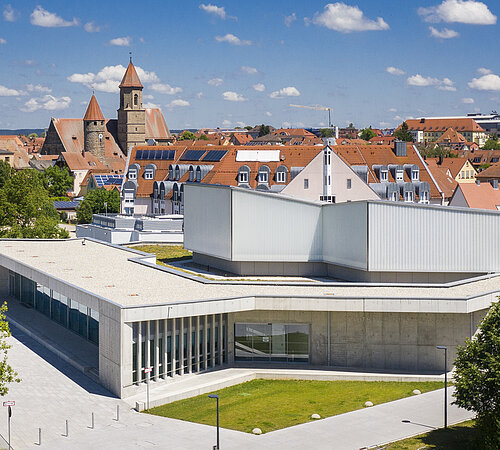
x=477 y=378
x=203 y=137
x=248 y=128
x=26 y=209
x=33 y=135
x=491 y=144
x=403 y=134
x=93 y=203
x=7 y=373
x=57 y=181
x=367 y=133
x=187 y=136
x=6 y=172
x=327 y=132
x=264 y=129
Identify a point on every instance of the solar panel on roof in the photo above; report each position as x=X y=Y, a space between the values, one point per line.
x=215 y=155
x=138 y=154
x=192 y=155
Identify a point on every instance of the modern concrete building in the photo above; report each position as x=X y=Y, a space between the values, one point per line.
x=424 y=288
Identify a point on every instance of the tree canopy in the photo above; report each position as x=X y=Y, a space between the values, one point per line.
x=57 y=181
x=7 y=373
x=6 y=172
x=93 y=203
x=367 y=133
x=187 y=136
x=263 y=130
x=403 y=134
x=26 y=209
x=327 y=132
x=477 y=378
x=491 y=144
x=203 y=137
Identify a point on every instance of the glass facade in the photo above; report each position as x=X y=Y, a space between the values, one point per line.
x=66 y=312
x=271 y=342
x=187 y=349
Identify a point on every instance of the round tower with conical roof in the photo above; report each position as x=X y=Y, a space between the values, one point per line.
x=94 y=127
x=131 y=115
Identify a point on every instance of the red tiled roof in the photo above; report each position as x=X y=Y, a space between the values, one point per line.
x=131 y=79
x=435 y=125
x=451 y=136
x=156 y=127
x=454 y=165
x=482 y=196
x=492 y=172
x=446 y=183
x=93 y=110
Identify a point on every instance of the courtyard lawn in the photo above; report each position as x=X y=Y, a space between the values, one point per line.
x=455 y=437
x=274 y=404
x=165 y=254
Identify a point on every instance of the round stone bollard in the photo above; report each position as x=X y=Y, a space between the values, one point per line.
x=368 y=404
x=416 y=392
x=257 y=431
x=315 y=416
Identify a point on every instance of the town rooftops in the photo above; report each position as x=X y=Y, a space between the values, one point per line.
x=481 y=196
x=441 y=125
x=451 y=136
x=93 y=110
x=131 y=79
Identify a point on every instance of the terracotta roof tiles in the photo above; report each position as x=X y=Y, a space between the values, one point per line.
x=131 y=79
x=93 y=110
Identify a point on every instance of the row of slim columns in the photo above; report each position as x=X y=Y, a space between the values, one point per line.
x=197 y=324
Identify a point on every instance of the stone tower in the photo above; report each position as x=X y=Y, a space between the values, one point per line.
x=131 y=115
x=94 y=127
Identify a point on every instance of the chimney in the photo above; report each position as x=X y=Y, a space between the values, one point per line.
x=494 y=183
x=399 y=148
x=440 y=161
x=336 y=132
x=478 y=182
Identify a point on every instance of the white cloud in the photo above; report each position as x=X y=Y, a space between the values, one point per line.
x=109 y=77
x=231 y=96
x=289 y=91
x=471 y=12
x=150 y=105
x=393 y=110
x=241 y=124
x=121 y=41
x=445 y=33
x=394 y=71
x=178 y=102
x=268 y=114
x=226 y=123
x=43 y=18
x=347 y=19
x=3 y=41
x=490 y=82
x=37 y=88
x=444 y=85
x=483 y=71
x=232 y=39
x=91 y=27
x=6 y=92
x=9 y=14
x=259 y=87
x=47 y=102
x=468 y=100
x=286 y=124
x=199 y=95
x=215 y=81
x=148 y=97
x=249 y=70
x=290 y=19
x=217 y=11
x=165 y=88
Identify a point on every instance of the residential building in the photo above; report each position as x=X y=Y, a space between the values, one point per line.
x=460 y=169
x=489 y=174
x=431 y=129
x=12 y=151
x=478 y=195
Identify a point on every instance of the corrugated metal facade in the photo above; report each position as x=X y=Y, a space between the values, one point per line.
x=407 y=238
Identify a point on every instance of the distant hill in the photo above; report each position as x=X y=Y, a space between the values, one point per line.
x=25 y=131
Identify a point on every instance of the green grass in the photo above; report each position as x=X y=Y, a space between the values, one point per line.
x=275 y=404
x=165 y=254
x=457 y=437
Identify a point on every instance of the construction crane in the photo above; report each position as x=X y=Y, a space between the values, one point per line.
x=321 y=108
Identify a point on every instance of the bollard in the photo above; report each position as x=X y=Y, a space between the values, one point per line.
x=39 y=436
x=67 y=428
x=117 y=413
x=92 y=420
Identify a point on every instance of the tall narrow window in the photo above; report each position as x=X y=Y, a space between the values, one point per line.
x=136 y=99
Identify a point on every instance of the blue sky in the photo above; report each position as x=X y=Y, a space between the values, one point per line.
x=208 y=64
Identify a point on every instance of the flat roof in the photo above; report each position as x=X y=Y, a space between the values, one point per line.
x=116 y=274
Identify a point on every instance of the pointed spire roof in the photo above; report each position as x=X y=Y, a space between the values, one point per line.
x=93 y=110
x=131 y=79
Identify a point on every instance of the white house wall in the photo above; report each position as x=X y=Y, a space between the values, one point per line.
x=267 y=228
x=207 y=220
x=427 y=239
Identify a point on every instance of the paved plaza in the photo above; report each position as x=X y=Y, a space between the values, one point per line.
x=53 y=391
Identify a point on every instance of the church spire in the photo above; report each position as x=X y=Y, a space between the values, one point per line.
x=93 y=110
x=131 y=79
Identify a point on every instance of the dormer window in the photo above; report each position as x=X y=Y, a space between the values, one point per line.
x=243 y=177
x=191 y=174
x=132 y=175
x=414 y=175
x=408 y=196
x=263 y=177
x=281 y=174
x=148 y=174
x=399 y=175
x=384 y=175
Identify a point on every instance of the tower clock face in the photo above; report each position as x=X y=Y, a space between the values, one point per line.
x=100 y=135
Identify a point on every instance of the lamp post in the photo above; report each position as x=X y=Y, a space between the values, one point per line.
x=216 y=397
x=441 y=347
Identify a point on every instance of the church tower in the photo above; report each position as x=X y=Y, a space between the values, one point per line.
x=131 y=115
x=94 y=127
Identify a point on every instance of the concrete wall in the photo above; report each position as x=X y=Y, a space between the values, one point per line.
x=4 y=281
x=369 y=341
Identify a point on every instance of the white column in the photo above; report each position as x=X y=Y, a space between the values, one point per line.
x=197 y=344
x=212 y=339
x=205 y=346
x=172 y=330
x=181 y=345
x=139 y=350
x=148 y=347
x=157 y=350
x=221 y=338
x=189 y=368
x=165 y=354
